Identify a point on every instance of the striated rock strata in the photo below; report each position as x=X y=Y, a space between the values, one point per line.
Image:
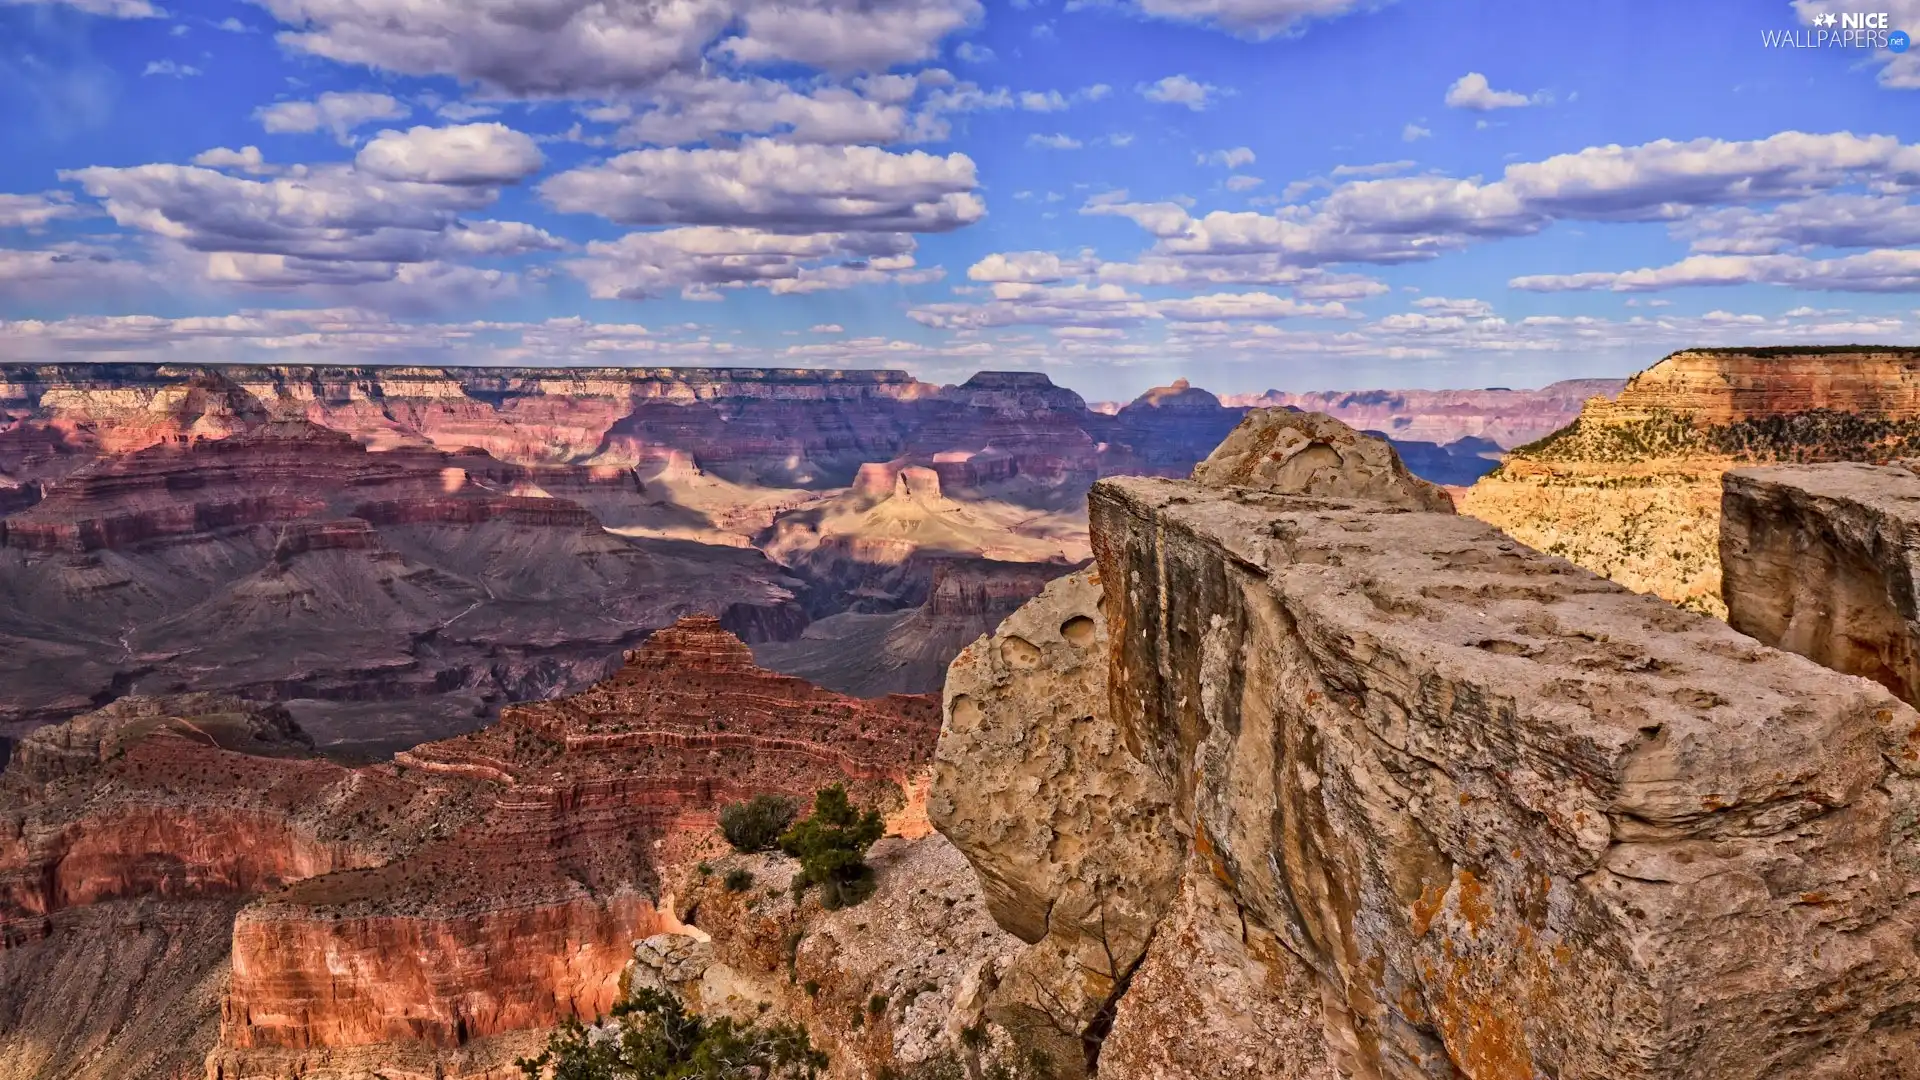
x=1631 y=489
x=431 y=914
x=1819 y=560
x=1453 y=808
x=386 y=597
x=1503 y=417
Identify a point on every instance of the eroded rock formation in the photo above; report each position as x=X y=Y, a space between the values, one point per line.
x=1311 y=454
x=1453 y=808
x=1819 y=560
x=1631 y=489
x=1504 y=417
x=436 y=913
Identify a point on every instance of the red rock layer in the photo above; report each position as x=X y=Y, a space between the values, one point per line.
x=1721 y=386
x=526 y=914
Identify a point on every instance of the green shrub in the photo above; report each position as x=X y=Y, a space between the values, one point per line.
x=831 y=844
x=658 y=1039
x=739 y=879
x=756 y=825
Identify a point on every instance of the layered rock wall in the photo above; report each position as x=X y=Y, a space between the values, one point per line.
x=1822 y=560
x=1516 y=820
x=1449 y=808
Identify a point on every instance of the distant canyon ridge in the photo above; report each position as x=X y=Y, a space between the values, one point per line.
x=394 y=552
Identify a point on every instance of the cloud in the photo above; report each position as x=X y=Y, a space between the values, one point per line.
x=1037 y=267
x=170 y=69
x=1413 y=218
x=968 y=52
x=491 y=154
x=698 y=260
x=847 y=35
x=1832 y=220
x=1257 y=19
x=1471 y=91
x=1414 y=133
x=1243 y=183
x=246 y=159
x=1440 y=305
x=232 y=26
x=332 y=231
x=776 y=186
x=1031 y=303
x=1888 y=270
x=111 y=9
x=685 y=109
x=35 y=211
x=65 y=272
x=1179 y=90
x=826 y=328
x=1384 y=168
x=588 y=48
x=337 y=112
x=1054 y=142
x=1231 y=159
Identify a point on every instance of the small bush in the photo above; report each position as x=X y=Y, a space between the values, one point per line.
x=831 y=844
x=739 y=879
x=877 y=1005
x=658 y=1039
x=756 y=825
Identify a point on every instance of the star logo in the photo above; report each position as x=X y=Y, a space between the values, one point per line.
x=1823 y=20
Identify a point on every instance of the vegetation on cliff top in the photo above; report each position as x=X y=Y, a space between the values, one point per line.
x=1813 y=435
x=831 y=844
x=656 y=1038
x=757 y=824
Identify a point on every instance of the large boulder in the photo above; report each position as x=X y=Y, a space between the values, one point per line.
x=1307 y=453
x=1071 y=835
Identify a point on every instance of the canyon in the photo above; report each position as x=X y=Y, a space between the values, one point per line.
x=1406 y=799
x=1302 y=774
x=394 y=553
x=442 y=908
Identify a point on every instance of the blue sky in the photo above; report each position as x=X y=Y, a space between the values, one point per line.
x=1301 y=194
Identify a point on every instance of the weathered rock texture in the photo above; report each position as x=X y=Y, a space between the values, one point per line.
x=1517 y=820
x=885 y=985
x=1073 y=838
x=1631 y=489
x=427 y=917
x=1311 y=454
x=1821 y=560
x=1452 y=808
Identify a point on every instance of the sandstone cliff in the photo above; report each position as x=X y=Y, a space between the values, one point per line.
x=1819 y=560
x=1448 y=807
x=1631 y=489
x=428 y=917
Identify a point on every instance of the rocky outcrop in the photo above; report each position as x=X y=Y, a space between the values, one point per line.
x=1452 y=808
x=435 y=913
x=1818 y=559
x=1310 y=454
x=527 y=914
x=1072 y=836
x=884 y=987
x=1718 y=387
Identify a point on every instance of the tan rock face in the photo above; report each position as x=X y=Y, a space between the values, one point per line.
x=1071 y=835
x=1818 y=559
x=1517 y=821
x=1311 y=454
